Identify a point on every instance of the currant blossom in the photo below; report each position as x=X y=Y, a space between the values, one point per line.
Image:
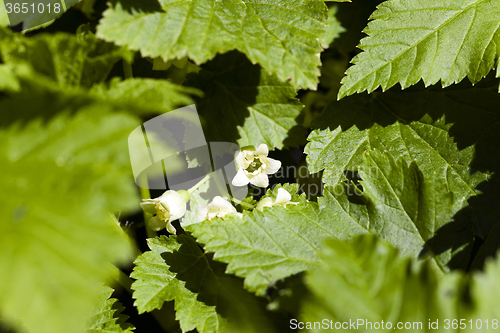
x=168 y=207
x=282 y=199
x=253 y=166
x=219 y=207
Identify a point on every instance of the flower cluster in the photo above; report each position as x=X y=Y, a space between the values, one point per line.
x=253 y=166
x=168 y=207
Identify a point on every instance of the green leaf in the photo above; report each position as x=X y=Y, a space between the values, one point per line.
x=4 y=18
x=399 y=204
x=283 y=37
x=432 y=127
x=157 y=284
x=246 y=105
x=484 y=293
x=367 y=280
x=38 y=92
x=69 y=60
x=413 y=40
x=176 y=269
x=107 y=315
x=8 y=79
x=57 y=238
x=161 y=95
x=265 y=247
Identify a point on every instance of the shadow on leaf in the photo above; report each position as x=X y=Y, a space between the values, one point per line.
x=453 y=132
x=206 y=277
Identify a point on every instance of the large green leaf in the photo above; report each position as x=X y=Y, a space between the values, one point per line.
x=36 y=92
x=57 y=238
x=399 y=204
x=272 y=245
x=413 y=40
x=68 y=60
x=107 y=317
x=246 y=105
x=157 y=284
x=283 y=37
x=161 y=95
x=366 y=281
x=177 y=269
x=450 y=133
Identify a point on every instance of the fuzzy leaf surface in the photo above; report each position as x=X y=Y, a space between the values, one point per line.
x=57 y=238
x=434 y=127
x=156 y=283
x=283 y=37
x=399 y=204
x=413 y=40
x=69 y=60
x=272 y=245
x=162 y=95
x=367 y=279
x=177 y=269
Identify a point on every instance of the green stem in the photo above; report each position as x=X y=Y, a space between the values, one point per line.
x=145 y=194
x=201 y=182
x=123 y=279
x=242 y=203
x=127 y=69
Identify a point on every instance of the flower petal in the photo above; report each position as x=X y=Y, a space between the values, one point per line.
x=283 y=197
x=260 y=180
x=262 y=150
x=157 y=224
x=171 y=229
x=241 y=162
x=223 y=204
x=149 y=205
x=272 y=166
x=266 y=202
x=174 y=203
x=201 y=213
x=240 y=179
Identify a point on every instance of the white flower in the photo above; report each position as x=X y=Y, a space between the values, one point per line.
x=254 y=166
x=168 y=207
x=282 y=199
x=219 y=207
